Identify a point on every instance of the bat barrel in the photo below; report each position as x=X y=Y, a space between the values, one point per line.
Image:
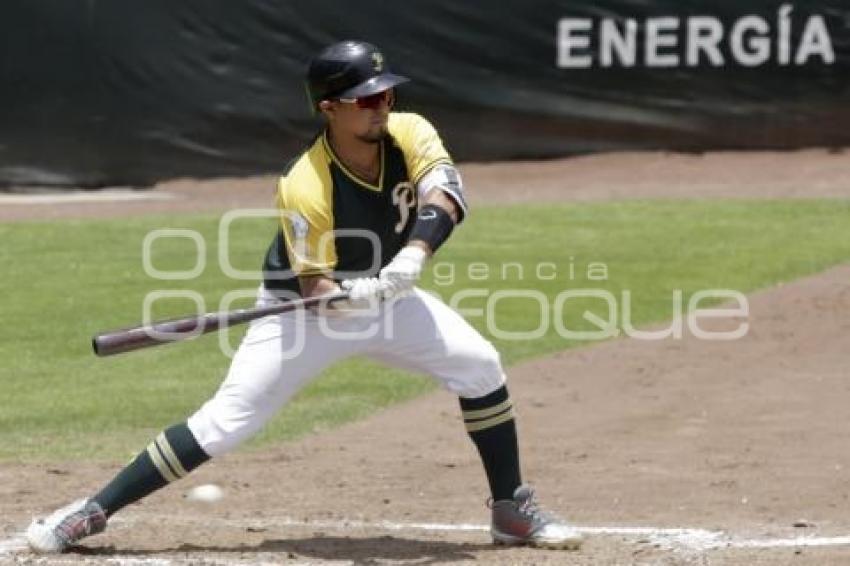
x=118 y=342
x=129 y=339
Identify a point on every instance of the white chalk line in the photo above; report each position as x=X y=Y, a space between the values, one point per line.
x=12 y=545
x=793 y=542
x=682 y=538
x=678 y=539
x=88 y=196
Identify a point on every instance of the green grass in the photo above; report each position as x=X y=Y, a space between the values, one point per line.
x=64 y=281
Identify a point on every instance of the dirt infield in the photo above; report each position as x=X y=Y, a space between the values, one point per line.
x=801 y=174
x=667 y=452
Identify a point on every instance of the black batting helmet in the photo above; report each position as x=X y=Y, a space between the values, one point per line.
x=349 y=69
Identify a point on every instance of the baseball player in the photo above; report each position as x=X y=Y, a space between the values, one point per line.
x=362 y=209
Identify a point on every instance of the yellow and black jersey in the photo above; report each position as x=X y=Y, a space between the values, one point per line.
x=334 y=223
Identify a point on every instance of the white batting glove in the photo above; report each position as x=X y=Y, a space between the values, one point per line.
x=402 y=273
x=363 y=293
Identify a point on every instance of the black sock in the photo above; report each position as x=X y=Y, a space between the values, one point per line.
x=490 y=422
x=172 y=455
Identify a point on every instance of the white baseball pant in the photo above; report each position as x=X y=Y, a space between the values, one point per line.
x=280 y=354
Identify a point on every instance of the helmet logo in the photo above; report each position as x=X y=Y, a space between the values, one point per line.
x=378 y=62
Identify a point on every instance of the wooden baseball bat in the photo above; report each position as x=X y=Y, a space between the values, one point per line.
x=175 y=330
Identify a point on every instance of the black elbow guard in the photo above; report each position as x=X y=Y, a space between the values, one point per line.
x=433 y=226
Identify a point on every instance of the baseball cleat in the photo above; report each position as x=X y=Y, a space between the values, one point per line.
x=63 y=528
x=520 y=521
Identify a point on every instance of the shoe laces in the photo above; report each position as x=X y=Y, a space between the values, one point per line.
x=530 y=507
x=79 y=524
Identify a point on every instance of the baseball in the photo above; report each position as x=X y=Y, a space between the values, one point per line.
x=207 y=493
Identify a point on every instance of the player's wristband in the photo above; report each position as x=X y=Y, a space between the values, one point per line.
x=433 y=226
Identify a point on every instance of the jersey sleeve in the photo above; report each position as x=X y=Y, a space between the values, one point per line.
x=307 y=221
x=419 y=142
